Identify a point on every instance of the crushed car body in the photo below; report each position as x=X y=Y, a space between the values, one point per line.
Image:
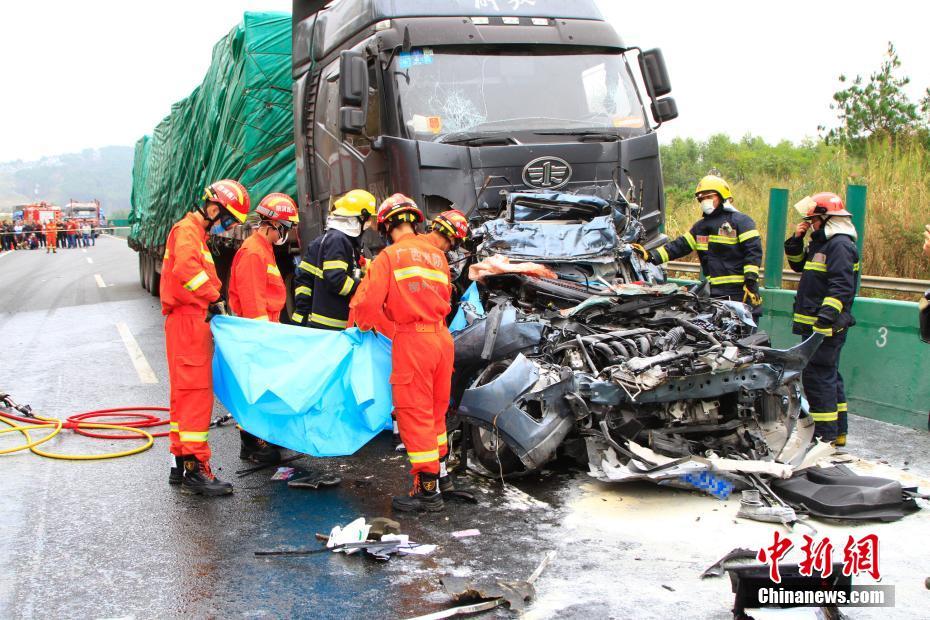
x=611 y=364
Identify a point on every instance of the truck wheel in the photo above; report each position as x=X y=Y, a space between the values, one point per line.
x=155 y=280
x=146 y=277
x=490 y=449
x=289 y=305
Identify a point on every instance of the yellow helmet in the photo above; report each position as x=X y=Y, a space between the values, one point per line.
x=354 y=203
x=713 y=183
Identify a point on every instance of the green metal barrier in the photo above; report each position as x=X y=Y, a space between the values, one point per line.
x=884 y=363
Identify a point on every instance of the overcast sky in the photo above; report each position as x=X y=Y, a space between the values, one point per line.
x=94 y=73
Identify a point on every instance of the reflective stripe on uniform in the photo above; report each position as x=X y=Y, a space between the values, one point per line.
x=855 y=266
x=423 y=457
x=663 y=254
x=804 y=319
x=197 y=281
x=727 y=280
x=327 y=321
x=795 y=258
x=346 y=286
x=751 y=269
x=722 y=240
x=194 y=436
x=173 y=427
x=815 y=266
x=690 y=239
x=842 y=407
x=334 y=264
x=833 y=302
x=311 y=268
x=442 y=439
x=273 y=270
x=297 y=318
x=826 y=331
x=825 y=416
x=303 y=290
x=207 y=256
x=749 y=234
x=263 y=317
x=417 y=271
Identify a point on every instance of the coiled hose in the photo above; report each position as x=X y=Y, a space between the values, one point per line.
x=79 y=424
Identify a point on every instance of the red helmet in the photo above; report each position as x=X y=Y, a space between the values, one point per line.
x=452 y=224
x=279 y=208
x=231 y=195
x=398 y=208
x=822 y=203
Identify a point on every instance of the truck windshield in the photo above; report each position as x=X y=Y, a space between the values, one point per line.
x=447 y=96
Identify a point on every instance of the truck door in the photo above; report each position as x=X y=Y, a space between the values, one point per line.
x=342 y=162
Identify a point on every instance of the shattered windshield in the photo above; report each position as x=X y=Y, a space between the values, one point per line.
x=446 y=96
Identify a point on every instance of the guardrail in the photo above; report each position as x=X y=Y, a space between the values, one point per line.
x=899 y=285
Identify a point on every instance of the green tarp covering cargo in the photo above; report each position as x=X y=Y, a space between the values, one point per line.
x=237 y=124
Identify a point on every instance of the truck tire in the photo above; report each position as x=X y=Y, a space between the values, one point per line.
x=289 y=305
x=146 y=275
x=155 y=280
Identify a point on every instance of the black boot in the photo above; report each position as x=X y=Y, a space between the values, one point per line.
x=199 y=479
x=257 y=450
x=425 y=495
x=176 y=475
x=448 y=489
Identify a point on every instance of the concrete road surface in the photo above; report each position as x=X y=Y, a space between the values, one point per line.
x=111 y=539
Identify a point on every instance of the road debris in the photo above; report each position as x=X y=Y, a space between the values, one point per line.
x=379 y=539
x=466 y=533
x=516 y=594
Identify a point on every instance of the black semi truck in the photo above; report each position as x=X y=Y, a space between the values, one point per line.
x=454 y=101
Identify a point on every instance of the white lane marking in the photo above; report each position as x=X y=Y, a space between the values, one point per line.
x=2 y=254
x=145 y=372
x=99 y=280
x=84 y=250
x=90 y=260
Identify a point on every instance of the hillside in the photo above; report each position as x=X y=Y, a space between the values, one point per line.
x=104 y=173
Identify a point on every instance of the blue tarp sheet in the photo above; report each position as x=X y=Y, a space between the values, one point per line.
x=318 y=392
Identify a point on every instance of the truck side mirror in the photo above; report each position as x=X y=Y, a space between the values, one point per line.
x=353 y=92
x=664 y=109
x=655 y=75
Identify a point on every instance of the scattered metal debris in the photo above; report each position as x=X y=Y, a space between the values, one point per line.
x=516 y=594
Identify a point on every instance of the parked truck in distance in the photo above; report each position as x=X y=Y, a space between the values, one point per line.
x=451 y=102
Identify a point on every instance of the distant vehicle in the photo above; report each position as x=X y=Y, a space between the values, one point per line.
x=85 y=211
x=40 y=213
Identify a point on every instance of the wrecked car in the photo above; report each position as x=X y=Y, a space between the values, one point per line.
x=609 y=363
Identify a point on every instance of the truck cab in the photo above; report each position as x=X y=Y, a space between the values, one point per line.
x=454 y=101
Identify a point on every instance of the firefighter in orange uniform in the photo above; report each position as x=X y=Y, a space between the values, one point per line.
x=51 y=236
x=409 y=284
x=257 y=291
x=190 y=297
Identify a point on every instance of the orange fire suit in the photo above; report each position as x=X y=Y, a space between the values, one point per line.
x=409 y=284
x=51 y=235
x=188 y=285
x=256 y=289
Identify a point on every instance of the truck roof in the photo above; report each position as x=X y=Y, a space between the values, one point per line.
x=342 y=19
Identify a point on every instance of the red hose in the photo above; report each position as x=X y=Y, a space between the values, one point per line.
x=143 y=420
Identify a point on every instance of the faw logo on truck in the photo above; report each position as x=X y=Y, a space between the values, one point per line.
x=547 y=173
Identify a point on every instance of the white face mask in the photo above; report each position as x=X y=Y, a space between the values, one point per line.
x=282 y=236
x=707 y=206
